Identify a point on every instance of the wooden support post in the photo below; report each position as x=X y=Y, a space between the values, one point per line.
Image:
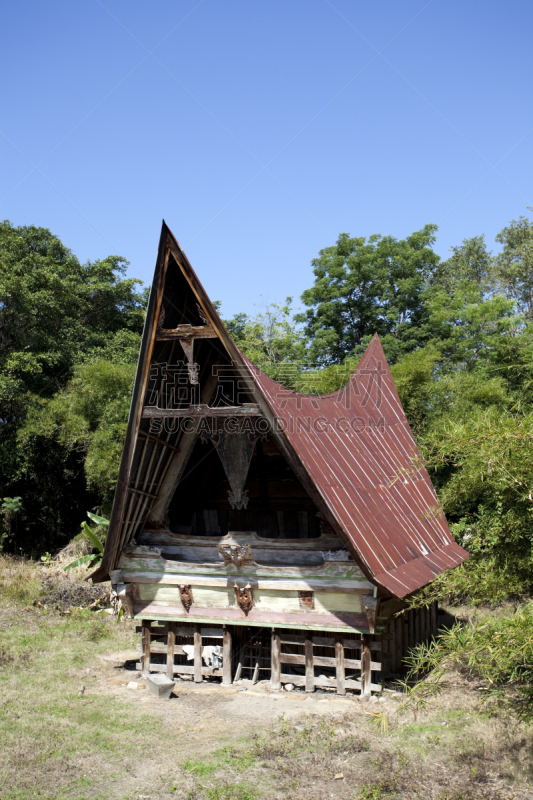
x=398 y=644
x=339 y=663
x=171 y=644
x=411 y=641
x=238 y=671
x=418 y=636
x=434 y=618
x=146 y=640
x=226 y=656
x=309 y=663
x=387 y=644
x=197 y=654
x=255 y=676
x=366 y=673
x=275 y=653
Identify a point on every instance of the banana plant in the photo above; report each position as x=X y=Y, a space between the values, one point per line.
x=93 y=559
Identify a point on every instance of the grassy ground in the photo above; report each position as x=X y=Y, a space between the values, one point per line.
x=111 y=742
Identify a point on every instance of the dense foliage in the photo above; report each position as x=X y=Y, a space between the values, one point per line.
x=65 y=329
x=457 y=333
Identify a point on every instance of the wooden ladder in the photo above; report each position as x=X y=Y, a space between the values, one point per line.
x=252 y=652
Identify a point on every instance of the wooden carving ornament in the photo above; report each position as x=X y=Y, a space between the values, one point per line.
x=186 y=596
x=124 y=592
x=237 y=554
x=245 y=598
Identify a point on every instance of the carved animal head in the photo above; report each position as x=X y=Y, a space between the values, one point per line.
x=186 y=596
x=245 y=598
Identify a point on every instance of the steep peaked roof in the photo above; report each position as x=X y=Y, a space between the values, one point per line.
x=352 y=449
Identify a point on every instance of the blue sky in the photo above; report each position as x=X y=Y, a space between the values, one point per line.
x=260 y=130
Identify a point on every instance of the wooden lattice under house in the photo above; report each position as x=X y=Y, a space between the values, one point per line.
x=262 y=533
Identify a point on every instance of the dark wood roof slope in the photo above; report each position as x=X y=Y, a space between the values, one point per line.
x=353 y=450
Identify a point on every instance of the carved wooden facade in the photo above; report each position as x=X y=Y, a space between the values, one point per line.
x=257 y=528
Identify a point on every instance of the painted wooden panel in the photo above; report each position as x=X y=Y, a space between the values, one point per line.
x=326 y=602
x=281 y=584
x=273 y=600
x=264 y=599
x=205 y=597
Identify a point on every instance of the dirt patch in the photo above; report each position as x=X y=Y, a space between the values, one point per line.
x=245 y=742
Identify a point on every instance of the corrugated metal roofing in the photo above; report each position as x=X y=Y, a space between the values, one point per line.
x=358 y=449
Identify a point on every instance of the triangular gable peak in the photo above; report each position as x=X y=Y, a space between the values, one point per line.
x=352 y=451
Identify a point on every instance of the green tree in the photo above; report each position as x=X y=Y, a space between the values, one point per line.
x=514 y=265
x=471 y=261
x=271 y=340
x=463 y=324
x=369 y=286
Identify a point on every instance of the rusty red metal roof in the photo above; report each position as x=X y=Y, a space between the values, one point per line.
x=358 y=450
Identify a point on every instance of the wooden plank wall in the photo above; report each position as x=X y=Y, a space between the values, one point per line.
x=347 y=658
x=405 y=630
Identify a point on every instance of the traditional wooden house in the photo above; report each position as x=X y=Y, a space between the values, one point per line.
x=256 y=528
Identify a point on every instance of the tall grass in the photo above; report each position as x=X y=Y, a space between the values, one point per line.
x=20 y=581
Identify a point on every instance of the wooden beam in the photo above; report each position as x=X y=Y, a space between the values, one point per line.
x=278 y=584
x=191 y=412
x=186 y=332
x=326 y=661
x=299 y=680
x=339 y=665
x=326 y=641
x=366 y=670
x=157 y=440
x=171 y=643
x=419 y=634
x=197 y=654
x=398 y=643
x=140 y=491
x=184 y=669
x=275 y=675
x=434 y=625
x=323 y=542
x=145 y=638
x=309 y=664
x=226 y=656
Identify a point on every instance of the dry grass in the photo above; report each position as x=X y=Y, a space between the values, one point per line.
x=112 y=743
x=347 y=761
x=20 y=581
